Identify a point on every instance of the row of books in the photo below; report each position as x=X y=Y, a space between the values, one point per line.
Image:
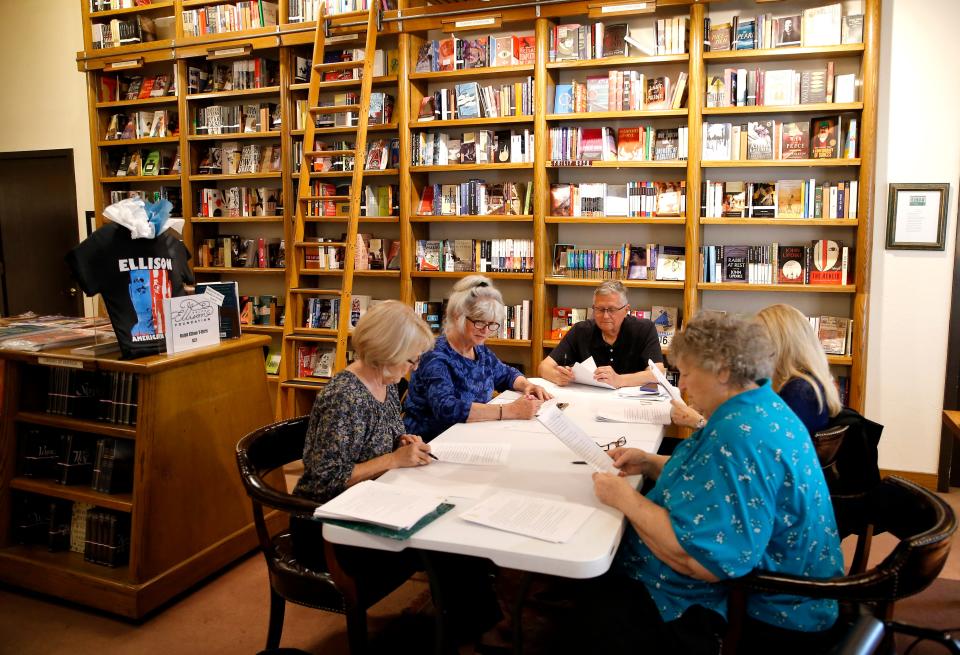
x=236 y=75
x=570 y=145
x=476 y=198
x=824 y=261
x=113 y=5
x=740 y=87
x=470 y=100
x=574 y=42
x=170 y=193
x=113 y=88
x=665 y=318
x=121 y=32
x=217 y=19
x=324 y=313
x=479 y=147
x=109 y=396
x=142 y=163
x=233 y=251
x=378 y=200
x=142 y=125
x=300 y=11
x=42 y=520
x=780 y=199
x=382 y=154
x=628 y=261
x=230 y=158
x=634 y=199
x=479 y=255
x=385 y=62
x=236 y=119
x=815 y=26
x=514 y=321
x=371 y=254
x=214 y=202
x=380 y=111
x=260 y=310
x=829 y=137
x=620 y=90
x=834 y=332
x=314 y=361
x=105 y=464
x=453 y=53
x=107 y=537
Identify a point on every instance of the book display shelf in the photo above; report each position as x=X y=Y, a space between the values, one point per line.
x=112 y=472
x=485 y=164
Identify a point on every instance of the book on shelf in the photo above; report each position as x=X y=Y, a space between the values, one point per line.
x=640 y=260
x=666 y=320
x=227 y=294
x=225 y=18
x=633 y=199
x=830 y=137
x=815 y=26
x=823 y=262
x=113 y=466
x=782 y=199
x=489 y=256
x=107 y=537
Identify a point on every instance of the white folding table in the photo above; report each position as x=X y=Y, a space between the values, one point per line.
x=538 y=464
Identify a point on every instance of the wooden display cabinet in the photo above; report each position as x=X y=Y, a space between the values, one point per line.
x=188 y=513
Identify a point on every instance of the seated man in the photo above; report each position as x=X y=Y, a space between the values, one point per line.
x=619 y=344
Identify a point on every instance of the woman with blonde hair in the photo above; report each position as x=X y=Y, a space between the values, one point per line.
x=456 y=380
x=801 y=373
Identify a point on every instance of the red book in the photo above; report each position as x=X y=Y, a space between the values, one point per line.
x=827 y=264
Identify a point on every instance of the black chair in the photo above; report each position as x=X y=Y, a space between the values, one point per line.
x=867 y=635
x=259 y=453
x=921 y=520
x=827 y=443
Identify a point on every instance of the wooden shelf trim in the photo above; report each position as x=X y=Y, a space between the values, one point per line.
x=155 y=6
x=668 y=163
x=782 y=54
x=784 y=222
x=593 y=282
x=613 y=62
x=459 y=274
x=471 y=122
x=519 y=70
x=616 y=220
x=76 y=492
x=617 y=115
x=119 y=143
x=784 y=109
x=234 y=93
x=119 y=104
x=471 y=167
x=77 y=424
x=466 y=218
x=793 y=288
x=236 y=219
x=239 y=270
x=235 y=136
x=235 y=176
x=778 y=163
x=139 y=178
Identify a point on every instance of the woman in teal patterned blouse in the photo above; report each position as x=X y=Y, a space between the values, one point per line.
x=745 y=491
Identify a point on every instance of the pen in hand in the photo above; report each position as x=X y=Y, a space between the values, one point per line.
x=434 y=456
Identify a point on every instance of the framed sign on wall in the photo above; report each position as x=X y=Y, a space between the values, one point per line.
x=917 y=216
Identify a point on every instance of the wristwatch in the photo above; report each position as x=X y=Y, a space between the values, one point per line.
x=702 y=422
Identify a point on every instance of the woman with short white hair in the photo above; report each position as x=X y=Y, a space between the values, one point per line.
x=456 y=380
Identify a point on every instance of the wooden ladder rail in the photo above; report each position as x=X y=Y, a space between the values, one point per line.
x=326 y=27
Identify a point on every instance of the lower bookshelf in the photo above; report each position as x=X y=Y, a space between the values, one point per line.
x=180 y=512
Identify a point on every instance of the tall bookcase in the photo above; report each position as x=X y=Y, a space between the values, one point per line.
x=414 y=23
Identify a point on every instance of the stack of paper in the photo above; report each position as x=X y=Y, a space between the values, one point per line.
x=575 y=439
x=656 y=413
x=478 y=454
x=583 y=374
x=380 y=504
x=551 y=520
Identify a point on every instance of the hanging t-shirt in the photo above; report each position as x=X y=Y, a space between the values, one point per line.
x=133 y=276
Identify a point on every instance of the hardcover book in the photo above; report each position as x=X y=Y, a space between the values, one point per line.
x=822 y=25
x=735 y=263
x=560 y=201
x=563 y=99
x=666 y=320
x=832 y=334
x=826 y=264
x=824 y=138
x=614 y=40
x=637 y=264
x=852 y=29
x=720 y=37
x=746 y=35
x=716 y=141
x=790 y=198
x=790 y=260
x=671 y=263
x=734 y=200
x=760 y=139
x=787 y=32
x=794 y=141
x=628 y=144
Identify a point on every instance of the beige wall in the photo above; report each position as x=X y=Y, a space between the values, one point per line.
x=910 y=290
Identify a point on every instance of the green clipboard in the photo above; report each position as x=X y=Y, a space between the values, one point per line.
x=390 y=533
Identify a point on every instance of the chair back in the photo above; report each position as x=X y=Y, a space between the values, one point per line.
x=828 y=442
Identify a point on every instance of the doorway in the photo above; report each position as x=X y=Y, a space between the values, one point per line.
x=38 y=226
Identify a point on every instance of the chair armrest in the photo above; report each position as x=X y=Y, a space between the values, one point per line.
x=869 y=586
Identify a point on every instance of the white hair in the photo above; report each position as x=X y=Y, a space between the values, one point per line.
x=473 y=297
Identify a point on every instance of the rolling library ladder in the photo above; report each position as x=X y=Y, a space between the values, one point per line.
x=328 y=27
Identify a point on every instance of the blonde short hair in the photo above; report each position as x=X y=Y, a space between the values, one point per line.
x=473 y=297
x=716 y=342
x=389 y=334
x=799 y=353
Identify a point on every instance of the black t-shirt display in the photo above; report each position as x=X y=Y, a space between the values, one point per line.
x=636 y=343
x=133 y=276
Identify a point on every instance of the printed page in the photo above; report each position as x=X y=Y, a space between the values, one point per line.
x=550 y=520
x=575 y=439
x=583 y=374
x=655 y=413
x=381 y=504
x=662 y=379
x=478 y=454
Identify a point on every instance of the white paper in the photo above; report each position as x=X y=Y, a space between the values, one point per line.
x=918 y=215
x=662 y=380
x=583 y=374
x=575 y=439
x=642 y=393
x=381 y=504
x=478 y=454
x=549 y=520
x=215 y=295
x=653 y=413
x=448 y=481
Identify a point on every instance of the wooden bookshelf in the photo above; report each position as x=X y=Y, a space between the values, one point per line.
x=163 y=562
x=422 y=21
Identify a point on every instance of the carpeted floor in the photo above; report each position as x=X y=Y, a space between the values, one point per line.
x=228 y=614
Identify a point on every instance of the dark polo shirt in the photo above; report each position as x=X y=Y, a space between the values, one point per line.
x=636 y=343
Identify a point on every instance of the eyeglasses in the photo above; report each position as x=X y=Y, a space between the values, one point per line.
x=414 y=361
x=490 y=326
x=622 y=441
x=608 y=310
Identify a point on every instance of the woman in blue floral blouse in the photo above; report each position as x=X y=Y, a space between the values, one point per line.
x=745 y=491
